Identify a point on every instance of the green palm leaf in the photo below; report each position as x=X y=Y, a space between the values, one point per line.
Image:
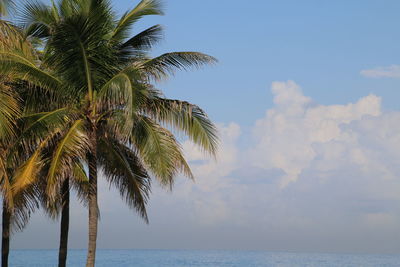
x=24 y=69
x=39 y=124
x=38 y=19
x=9 y=111
x=162 y=66
x=144 y=8
x=72 y=146
x=159 y=150
x=80 y=181
x=28 y=173
x=143 y=40
x=124 y=170
x=185 y=117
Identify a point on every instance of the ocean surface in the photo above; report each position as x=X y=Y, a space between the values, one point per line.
x=181 y=258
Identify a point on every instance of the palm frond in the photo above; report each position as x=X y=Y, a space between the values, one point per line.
x=40 y=124
x=72 y=146
x=12 y=39
x=25 y=203
x=124 y=170
x=143 y=40
x=38 y=18
x=144 y=8
x=162 y=66
x=117 y=97
x=185 y=117
x=28 y=173
x=159 y=150
x=117 y=91
x=20 y=67
x=9 y=111
x=80 y=182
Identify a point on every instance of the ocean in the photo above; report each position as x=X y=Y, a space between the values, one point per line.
x=182 y=258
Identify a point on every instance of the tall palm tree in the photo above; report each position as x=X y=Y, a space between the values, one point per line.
x=16 y=205
x=37 y=122
x=9 y=110
x=25 y=134
x=118 y=121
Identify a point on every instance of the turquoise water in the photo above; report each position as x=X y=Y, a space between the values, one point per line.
x=181 y=258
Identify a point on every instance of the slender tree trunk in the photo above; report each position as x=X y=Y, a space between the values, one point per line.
x=62 y=253
x=93 y=207
x=5 y=241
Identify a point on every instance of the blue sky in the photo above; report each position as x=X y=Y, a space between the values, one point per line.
x=305 y=95
x=322 y=45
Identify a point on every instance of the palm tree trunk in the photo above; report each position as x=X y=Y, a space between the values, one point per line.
x=62 y=253
x=93 y=207
x=5 y=241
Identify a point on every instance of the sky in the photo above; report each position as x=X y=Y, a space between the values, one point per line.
x=305 y=97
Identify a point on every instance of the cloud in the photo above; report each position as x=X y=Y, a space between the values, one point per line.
x=392 y=71
x=287 y=134
x=316 y=177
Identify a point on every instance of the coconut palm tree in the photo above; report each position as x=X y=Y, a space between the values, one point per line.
x=118 y=121
x=25 y=132
x=14 y=42
x=23 y=163
x=16 y=206
x=9 y=110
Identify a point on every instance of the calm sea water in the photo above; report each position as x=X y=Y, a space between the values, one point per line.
x=181 y=258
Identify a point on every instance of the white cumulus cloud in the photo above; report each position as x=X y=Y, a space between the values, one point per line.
x=288 y=132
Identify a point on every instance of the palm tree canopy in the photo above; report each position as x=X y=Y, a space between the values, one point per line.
x=102 y=76
x=17 y=156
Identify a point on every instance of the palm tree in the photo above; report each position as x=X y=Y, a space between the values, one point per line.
x=118 y=121
x=25 y=133
x=16 y=205
x=38 y=121
x=9 y=110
